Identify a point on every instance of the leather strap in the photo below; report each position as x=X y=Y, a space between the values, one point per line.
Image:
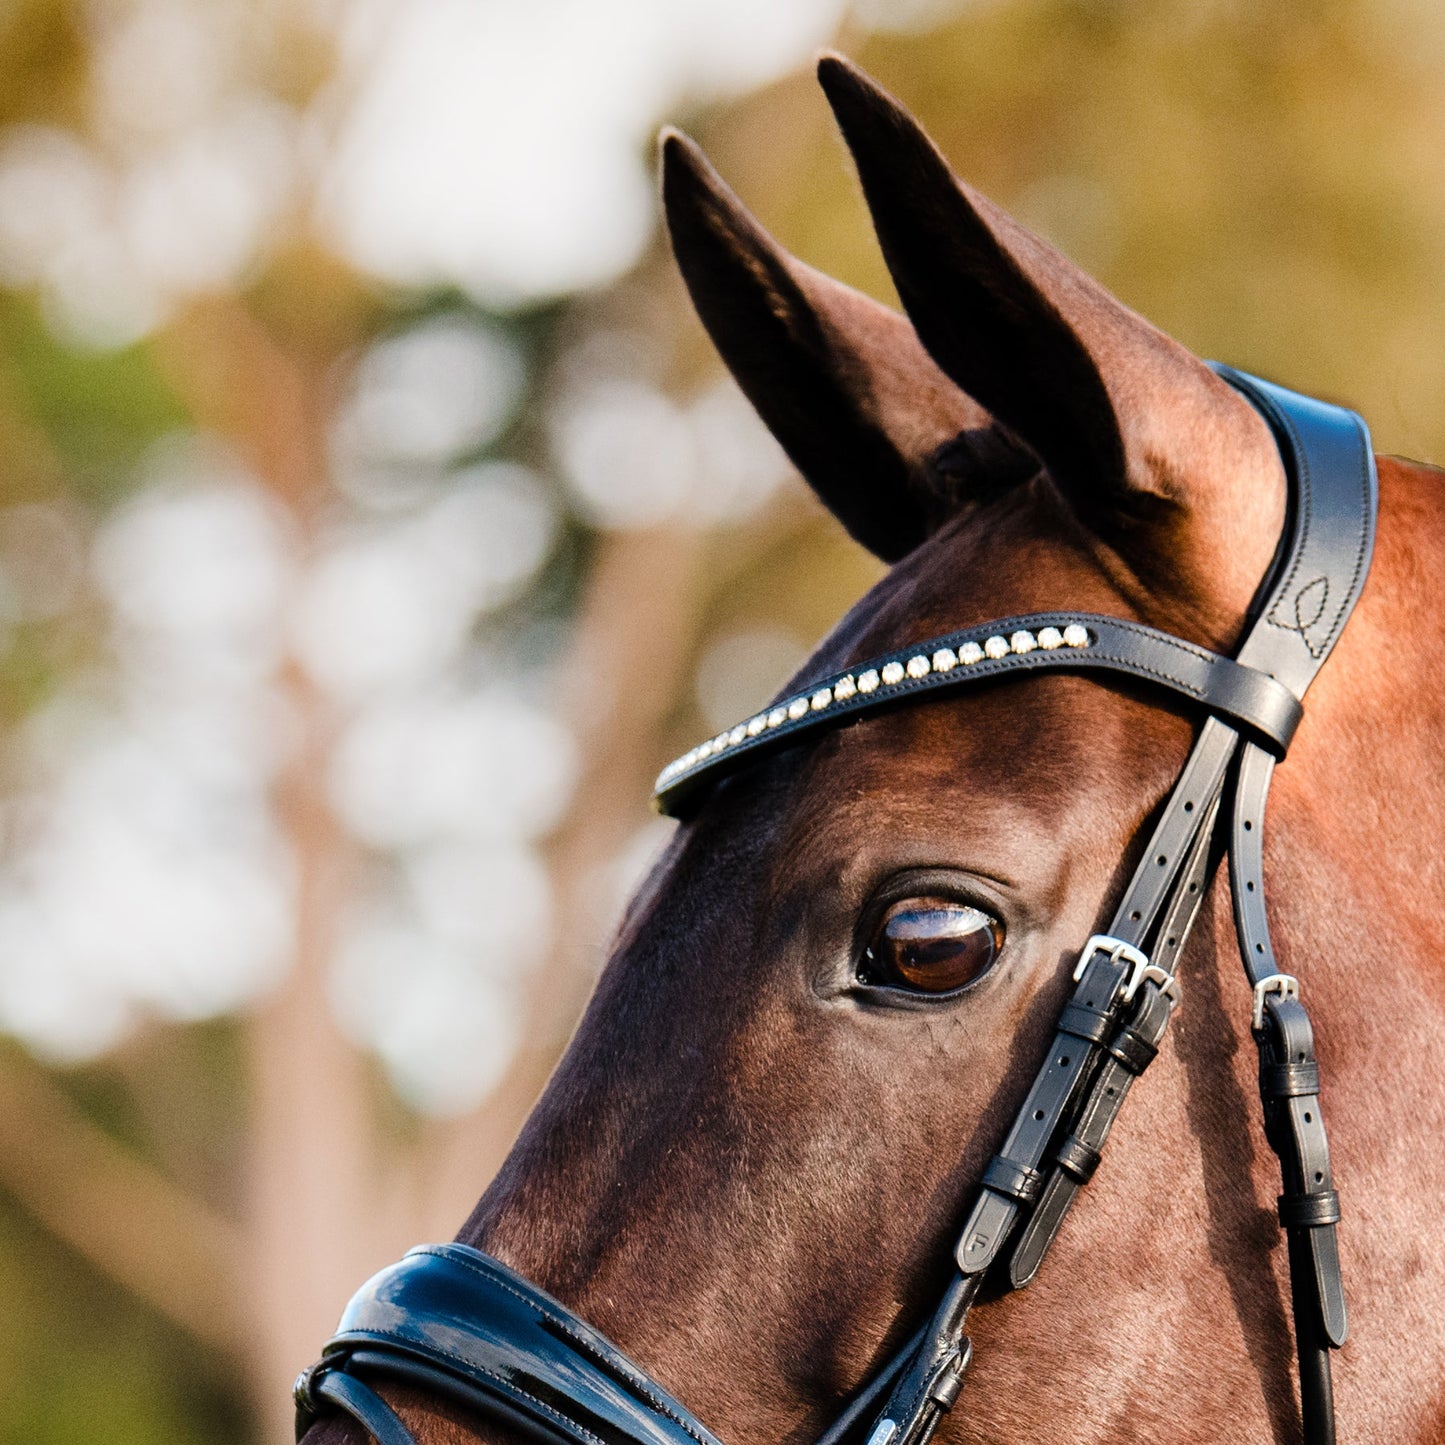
x=1169 y=881
x=864 y=1403
x=362 y=1403
x=1334 y=526
x=1081 y=1151
x=1079 y=1154
x=1300 y=609
x=463 y=1321
x=1333 y=538
x=1055 y=1087
x=1058 y=641
x=1329 y=537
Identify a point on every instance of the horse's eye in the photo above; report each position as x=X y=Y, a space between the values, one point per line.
x=930 y=945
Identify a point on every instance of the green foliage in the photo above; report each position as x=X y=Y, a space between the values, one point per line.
x=80 y=1361
x=97 y=410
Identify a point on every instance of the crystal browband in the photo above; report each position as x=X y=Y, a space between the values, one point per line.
x=1071 y=641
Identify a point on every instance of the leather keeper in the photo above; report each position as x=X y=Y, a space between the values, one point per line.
x=1289 y=1081
x=1077 y=1159
x=1309 y=1211
x=1090 y=1024
x=1018 y=1181
x=1135 y=1053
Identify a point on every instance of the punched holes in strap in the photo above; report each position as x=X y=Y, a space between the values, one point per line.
x=1078 y=1156
x=1295 y=1130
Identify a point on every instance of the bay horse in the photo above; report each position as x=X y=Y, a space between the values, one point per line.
x=750 y=1166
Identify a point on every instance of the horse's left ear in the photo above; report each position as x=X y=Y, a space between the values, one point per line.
x=890 y=445
x=1165 y=463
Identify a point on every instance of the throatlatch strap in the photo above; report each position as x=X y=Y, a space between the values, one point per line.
x=1336 y=503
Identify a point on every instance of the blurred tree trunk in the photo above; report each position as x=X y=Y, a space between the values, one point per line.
x=321 y=1213
x=309 y=1223
x=631 y=645
x=310 y=1170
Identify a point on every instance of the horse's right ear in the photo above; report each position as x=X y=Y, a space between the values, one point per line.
x=888 y=442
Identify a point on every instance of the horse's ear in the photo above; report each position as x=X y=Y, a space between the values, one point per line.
x=889 y=443
x=1158 y=457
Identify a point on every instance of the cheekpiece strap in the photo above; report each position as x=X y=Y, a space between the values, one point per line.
x=1125 y=988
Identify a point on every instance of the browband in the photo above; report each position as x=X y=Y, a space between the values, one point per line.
x=1327 y=451
x=1061 y=641
x=460 y=1323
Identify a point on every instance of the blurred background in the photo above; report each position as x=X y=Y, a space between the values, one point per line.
x=375 y=521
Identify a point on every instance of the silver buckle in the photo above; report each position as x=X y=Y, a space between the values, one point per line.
x=1141 y=970
x=1167 y=983
x=1118 y=951
x=1281 y=985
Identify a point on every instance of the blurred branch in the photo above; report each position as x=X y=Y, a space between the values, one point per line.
x=309 y=1237
x=236 y=378
x=134 y=1225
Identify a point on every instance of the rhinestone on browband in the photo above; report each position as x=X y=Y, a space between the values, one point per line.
x=879 y=678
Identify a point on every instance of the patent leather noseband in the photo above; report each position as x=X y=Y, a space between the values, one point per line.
x=463 y=1324
x=460 y=1324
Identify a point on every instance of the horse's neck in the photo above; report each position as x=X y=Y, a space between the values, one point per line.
x=1355 y=882
x=1355 y=878
x=1359 y=806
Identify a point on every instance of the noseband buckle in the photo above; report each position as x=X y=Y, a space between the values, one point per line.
x=1141 y=970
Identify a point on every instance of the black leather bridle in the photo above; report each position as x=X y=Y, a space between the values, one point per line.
x=457 y=1322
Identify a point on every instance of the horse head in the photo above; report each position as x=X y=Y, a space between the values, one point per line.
x=826 y=1002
